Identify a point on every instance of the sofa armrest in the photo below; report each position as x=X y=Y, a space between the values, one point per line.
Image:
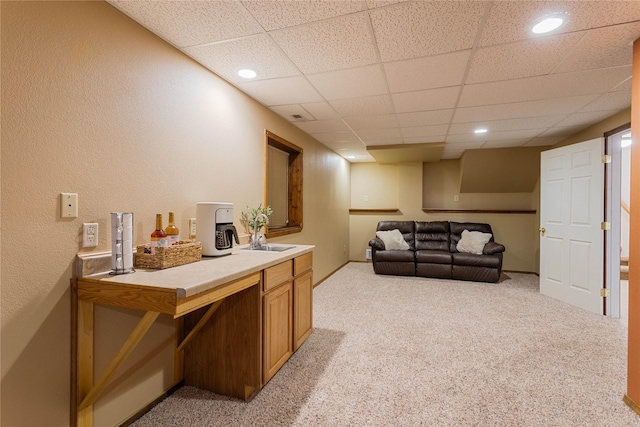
x=377 y=244
x=493 y=248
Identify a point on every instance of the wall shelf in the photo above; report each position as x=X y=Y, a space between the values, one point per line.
x=375 y=211
x=492 y=211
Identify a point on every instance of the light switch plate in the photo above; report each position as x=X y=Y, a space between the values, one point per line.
x=68 y=205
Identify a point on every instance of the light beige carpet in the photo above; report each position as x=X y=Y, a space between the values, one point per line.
x=406 y=351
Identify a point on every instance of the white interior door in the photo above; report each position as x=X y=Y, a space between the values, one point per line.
x=571 y=213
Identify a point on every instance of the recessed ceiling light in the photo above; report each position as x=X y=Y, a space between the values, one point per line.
x=480 y=130
x=247 y=73
x=351 y=157
x=548 y=23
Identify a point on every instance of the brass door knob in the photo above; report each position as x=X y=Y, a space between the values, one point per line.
x=542 y=230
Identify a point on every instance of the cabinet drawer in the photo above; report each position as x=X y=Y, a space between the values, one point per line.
x=302 y=263
x=273 y=276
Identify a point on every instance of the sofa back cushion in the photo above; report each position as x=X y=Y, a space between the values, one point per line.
x=432 y=235
x=458 y=227
x=407 y=228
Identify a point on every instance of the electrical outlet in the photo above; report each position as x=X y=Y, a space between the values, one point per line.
x=89 y=234
x=456 y=198
x=68 y=205
x=192 y=228
x=366 y=198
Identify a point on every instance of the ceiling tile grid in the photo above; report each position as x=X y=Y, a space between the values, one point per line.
x=358 y=73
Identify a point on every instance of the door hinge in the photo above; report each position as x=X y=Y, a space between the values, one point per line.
x=605 y=226
x=604 y=293
x=606 y=158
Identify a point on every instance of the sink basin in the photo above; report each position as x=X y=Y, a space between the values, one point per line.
x=270 y=248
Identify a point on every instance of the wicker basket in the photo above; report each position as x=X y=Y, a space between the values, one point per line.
x=170 y=256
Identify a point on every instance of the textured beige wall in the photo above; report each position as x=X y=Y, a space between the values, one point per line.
x=518 y=232
x=93 y=103
x=374 y=186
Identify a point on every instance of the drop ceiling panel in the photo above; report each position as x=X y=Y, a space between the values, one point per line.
x=610 y=101
x=544 y=87
x=335 y=125
x=561 y=131
x=526 y=58
x=371 y=105
x=337 y=137
x=416 y=29
x=560 y=106
x=424 y=139
x=427 y=73
x=424 y=118
x=584 y=119
x=288 y=111
x=321 y=110
x=257 y=52
x=495 y=136
x=424 y=100
x=334 y=44
x=601 y=48
x=346 y=146
x=350 y=83
x=373 y=122
x=376 y=134
x=541 y=122
x=424 y=131
x=188 y=23
x=288 y=90
x=273 y=15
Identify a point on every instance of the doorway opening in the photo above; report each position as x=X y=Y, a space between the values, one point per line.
x=617 y=211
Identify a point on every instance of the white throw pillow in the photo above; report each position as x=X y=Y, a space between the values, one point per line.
x=393 y=240
x=472 y=242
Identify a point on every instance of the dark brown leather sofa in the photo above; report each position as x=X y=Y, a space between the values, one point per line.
x=433 y=252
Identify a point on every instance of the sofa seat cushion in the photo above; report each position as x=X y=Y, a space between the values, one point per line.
x=433 y=257
x=395 y=256
x=473 y=260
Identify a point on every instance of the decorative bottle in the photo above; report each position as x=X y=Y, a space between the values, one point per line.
x=158 y=237
x=173 y=233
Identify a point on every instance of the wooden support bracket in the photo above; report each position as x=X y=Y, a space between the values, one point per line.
x=124 y=352
x=212 y=309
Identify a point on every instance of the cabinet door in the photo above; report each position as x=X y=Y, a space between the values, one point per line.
x=302 y=308
x=278 y=328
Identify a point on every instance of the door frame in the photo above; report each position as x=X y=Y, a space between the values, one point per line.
x=612 y=197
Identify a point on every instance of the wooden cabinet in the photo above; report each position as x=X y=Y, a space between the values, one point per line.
x=287 y=311
x=278 y=330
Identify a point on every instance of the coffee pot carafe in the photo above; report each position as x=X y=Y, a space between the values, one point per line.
x=215 y=229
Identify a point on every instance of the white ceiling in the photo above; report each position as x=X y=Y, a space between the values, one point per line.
x=386 y=72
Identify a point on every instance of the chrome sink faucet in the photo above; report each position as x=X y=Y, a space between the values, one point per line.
x=255 y=243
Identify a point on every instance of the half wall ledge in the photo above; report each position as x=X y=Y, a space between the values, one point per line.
x=492 y=211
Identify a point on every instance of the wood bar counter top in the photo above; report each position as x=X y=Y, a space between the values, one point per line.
x=213 y=292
